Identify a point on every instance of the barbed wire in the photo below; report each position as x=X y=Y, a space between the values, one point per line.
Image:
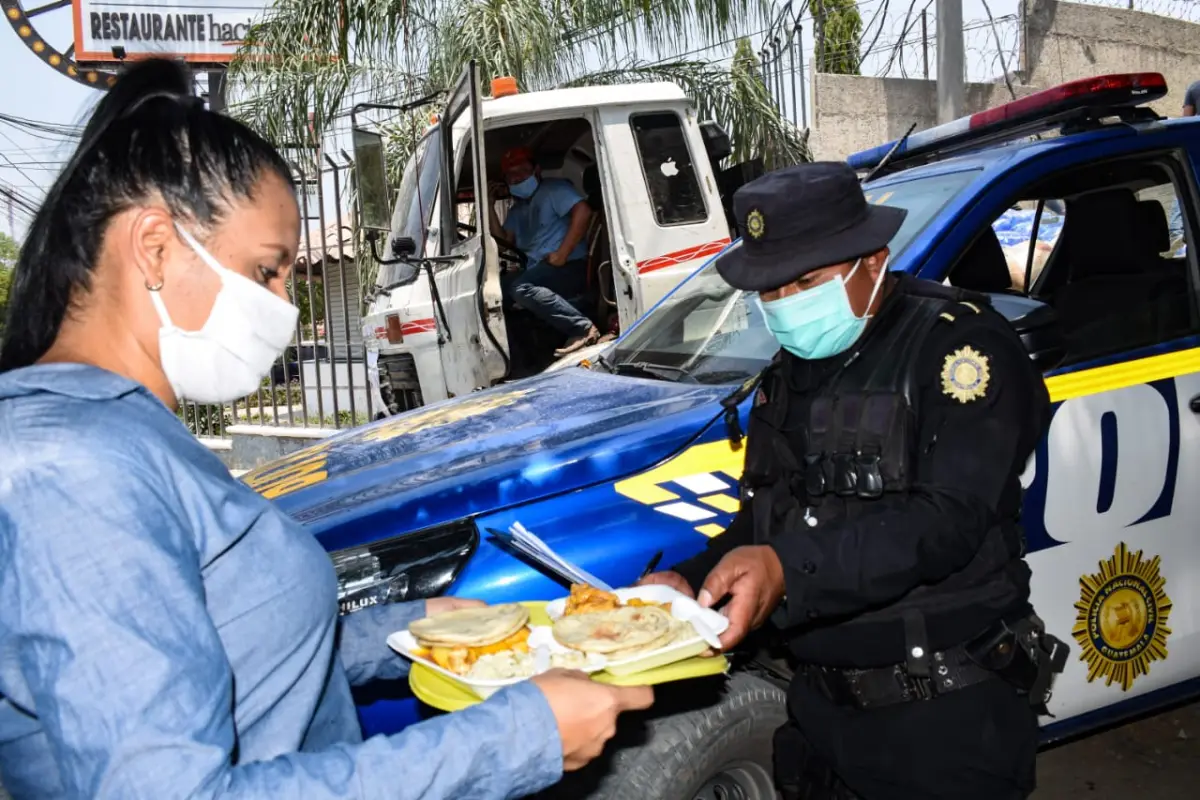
x=1188 y=10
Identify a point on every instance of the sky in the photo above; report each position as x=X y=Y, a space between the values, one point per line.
x=30 y=161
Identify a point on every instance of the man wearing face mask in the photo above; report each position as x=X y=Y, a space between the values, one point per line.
x=878 y=529
x=548 y=223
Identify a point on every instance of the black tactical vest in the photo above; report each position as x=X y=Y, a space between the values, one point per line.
x=859 y=441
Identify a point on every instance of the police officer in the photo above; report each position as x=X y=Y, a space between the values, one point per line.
x=878 y=529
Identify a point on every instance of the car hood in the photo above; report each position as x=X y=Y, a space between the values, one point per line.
x=546 y=435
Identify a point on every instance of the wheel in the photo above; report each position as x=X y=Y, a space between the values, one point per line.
x=721 y=751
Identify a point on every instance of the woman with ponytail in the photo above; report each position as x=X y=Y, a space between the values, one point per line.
x=165 y=631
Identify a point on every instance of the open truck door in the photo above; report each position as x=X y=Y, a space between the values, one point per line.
x=467 y=277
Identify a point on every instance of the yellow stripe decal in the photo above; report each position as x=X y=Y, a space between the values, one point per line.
x=704 y=458
x=711 y=530
x=722 y=502
x=1120 y=376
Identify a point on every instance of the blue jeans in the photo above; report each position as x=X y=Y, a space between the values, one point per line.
x=541 y=290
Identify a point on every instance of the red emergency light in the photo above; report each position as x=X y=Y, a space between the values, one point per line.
x=1088 y=97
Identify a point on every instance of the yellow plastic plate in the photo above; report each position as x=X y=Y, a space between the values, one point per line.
x=439 y=691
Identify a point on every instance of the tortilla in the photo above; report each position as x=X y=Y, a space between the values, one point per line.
x=471 y=627
x=609 y=631
x=680 y=631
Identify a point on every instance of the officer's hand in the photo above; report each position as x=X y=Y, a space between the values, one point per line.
x=668 y=578
x=586 y=711
x=753 y=578
x=556 y=259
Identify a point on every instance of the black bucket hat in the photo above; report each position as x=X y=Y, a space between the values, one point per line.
x=799 y=219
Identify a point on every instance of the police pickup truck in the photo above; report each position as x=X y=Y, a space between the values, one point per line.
x=631 y=454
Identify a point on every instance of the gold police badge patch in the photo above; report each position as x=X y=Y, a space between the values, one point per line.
x=756 y=224
x=1121 y=618
x=965 y=375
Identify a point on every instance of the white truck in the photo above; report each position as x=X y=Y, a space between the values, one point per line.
x=436 y=326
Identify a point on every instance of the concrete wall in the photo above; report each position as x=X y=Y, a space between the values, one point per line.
x=1067 y=41
x=1064 y=41
x=852 y=113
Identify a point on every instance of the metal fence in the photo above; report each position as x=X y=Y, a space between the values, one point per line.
x=321 y=380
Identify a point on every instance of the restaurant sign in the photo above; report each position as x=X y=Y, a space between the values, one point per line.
x=200 y=31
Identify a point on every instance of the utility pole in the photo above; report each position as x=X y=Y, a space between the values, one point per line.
x=949 y=60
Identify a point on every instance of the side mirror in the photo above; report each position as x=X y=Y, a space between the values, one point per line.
x=403 y=247
x=1038 y=326
x=370 y=171
x=716 y=141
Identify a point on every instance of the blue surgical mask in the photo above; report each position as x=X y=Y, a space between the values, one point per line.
x=818 y=322
x=525 y=188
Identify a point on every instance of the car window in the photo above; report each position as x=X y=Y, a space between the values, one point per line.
x=1127 y=284
x=1109 y=255
x=667 y=167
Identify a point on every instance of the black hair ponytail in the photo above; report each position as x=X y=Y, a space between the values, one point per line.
x=147 y=136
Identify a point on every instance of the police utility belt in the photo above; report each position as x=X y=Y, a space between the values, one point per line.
x=1020 y=653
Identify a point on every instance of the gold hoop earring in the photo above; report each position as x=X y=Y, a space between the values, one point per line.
x=156 y=287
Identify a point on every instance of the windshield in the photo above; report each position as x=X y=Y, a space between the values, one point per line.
x=414 y=202
x=923 y=198
x=708 y=332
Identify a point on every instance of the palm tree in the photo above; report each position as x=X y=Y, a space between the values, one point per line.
x=309 y=59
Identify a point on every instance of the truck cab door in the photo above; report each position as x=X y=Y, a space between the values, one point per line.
x=668 y=206
x=475 y=353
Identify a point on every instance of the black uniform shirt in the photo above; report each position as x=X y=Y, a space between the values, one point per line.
x=865 y=555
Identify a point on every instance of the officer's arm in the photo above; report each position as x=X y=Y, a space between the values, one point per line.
x=970 y=455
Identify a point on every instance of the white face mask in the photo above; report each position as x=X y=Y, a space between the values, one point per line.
x=247 y=329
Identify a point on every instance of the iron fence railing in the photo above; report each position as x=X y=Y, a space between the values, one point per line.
x=321 y=380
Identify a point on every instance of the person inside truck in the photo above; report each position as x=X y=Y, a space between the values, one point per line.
x=548 y=222
x=166 y=631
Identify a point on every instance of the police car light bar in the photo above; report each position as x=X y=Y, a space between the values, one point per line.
x=1043 y=110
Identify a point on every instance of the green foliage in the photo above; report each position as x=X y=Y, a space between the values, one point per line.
x=308 y=304
x=315 y=55
x=9 y=251
x=839 y=29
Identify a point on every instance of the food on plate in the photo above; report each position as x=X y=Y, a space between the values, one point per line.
x=458 y=640
x=585 y=599
x=519 y=664
x=681 y=631
x=613 y=630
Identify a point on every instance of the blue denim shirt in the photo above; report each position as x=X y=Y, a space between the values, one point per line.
x=541 y=223
x=167 y=632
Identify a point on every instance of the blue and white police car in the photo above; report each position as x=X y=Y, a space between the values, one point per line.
x=1073 y=207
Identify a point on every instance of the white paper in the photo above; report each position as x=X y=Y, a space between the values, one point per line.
x=541 y=552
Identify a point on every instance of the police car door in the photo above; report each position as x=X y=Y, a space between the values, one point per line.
x=671 y=217
x=1111 y=502
x=475 y=343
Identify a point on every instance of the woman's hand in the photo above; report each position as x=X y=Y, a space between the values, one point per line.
x=587 y=711
x=440 y=605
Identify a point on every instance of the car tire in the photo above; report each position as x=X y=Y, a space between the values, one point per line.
x=720 y=751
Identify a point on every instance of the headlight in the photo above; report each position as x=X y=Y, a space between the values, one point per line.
x=409 y=567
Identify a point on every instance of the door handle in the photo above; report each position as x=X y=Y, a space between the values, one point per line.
x=1194 y=404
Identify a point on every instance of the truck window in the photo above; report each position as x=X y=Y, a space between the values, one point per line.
x=667 y=166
